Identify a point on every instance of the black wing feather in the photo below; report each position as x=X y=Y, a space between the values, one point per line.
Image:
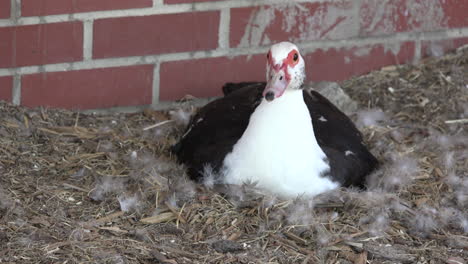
x=336 y=136
x=215 y=129
x=231 y=87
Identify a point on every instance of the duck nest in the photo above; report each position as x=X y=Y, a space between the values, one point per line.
x=103 y=188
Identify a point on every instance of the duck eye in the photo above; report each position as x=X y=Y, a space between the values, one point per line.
x=296 y=57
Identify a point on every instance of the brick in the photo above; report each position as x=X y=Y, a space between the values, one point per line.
x=456 y=13
x=256 y=26
x=436 y=48
x=341 y=64
x=5 y=8
x=6 y=86
x=89 y=89
x=41 y=44
x=205 y=77
x=387 y=17
x=134 y=36
x=188 y=1
x=53 y=7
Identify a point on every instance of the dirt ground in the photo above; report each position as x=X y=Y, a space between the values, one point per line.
x=89 y=188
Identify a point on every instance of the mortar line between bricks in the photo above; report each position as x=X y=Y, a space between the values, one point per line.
x=18 y=8
x=224 y=30
x=16 y=92
x=12 y=9
x=155 y=10
x=155 y=86
x=417 y=51
x=305 y=47
x=88 y=40
x=15 y=10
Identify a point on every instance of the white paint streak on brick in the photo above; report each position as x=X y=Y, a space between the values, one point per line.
x=421 y=15
x=255 y=29
x=156 y=78
x=437 y=49
x=378 y=8
x=426 y=15
x=88 y=40
x=331 y=22
x=224 y=24
x=357 y=14
x=347 y=60
x=362 y=51
x=393 y=47
x=16 y=93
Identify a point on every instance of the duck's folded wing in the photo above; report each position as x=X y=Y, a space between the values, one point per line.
x=213 y=131
x=350 y=160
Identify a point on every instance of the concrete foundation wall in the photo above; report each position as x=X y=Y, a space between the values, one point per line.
x=92 y=54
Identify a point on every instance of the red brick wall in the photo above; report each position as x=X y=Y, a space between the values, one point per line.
x=5 y=8
x=88 y=54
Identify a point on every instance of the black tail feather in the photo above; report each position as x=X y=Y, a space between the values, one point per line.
x=231 y=87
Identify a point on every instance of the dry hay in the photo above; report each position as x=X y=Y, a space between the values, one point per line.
x=88 y=188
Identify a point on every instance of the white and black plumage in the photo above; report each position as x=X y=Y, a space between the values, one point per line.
x=284 y=139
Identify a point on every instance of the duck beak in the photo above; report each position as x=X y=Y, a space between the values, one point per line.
x=276 y=85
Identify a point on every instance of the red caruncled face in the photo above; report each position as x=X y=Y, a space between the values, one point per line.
x=279 y=76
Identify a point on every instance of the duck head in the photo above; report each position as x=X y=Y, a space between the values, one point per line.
x=285 y=70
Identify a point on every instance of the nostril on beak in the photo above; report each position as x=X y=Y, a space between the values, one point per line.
x=269 y=96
